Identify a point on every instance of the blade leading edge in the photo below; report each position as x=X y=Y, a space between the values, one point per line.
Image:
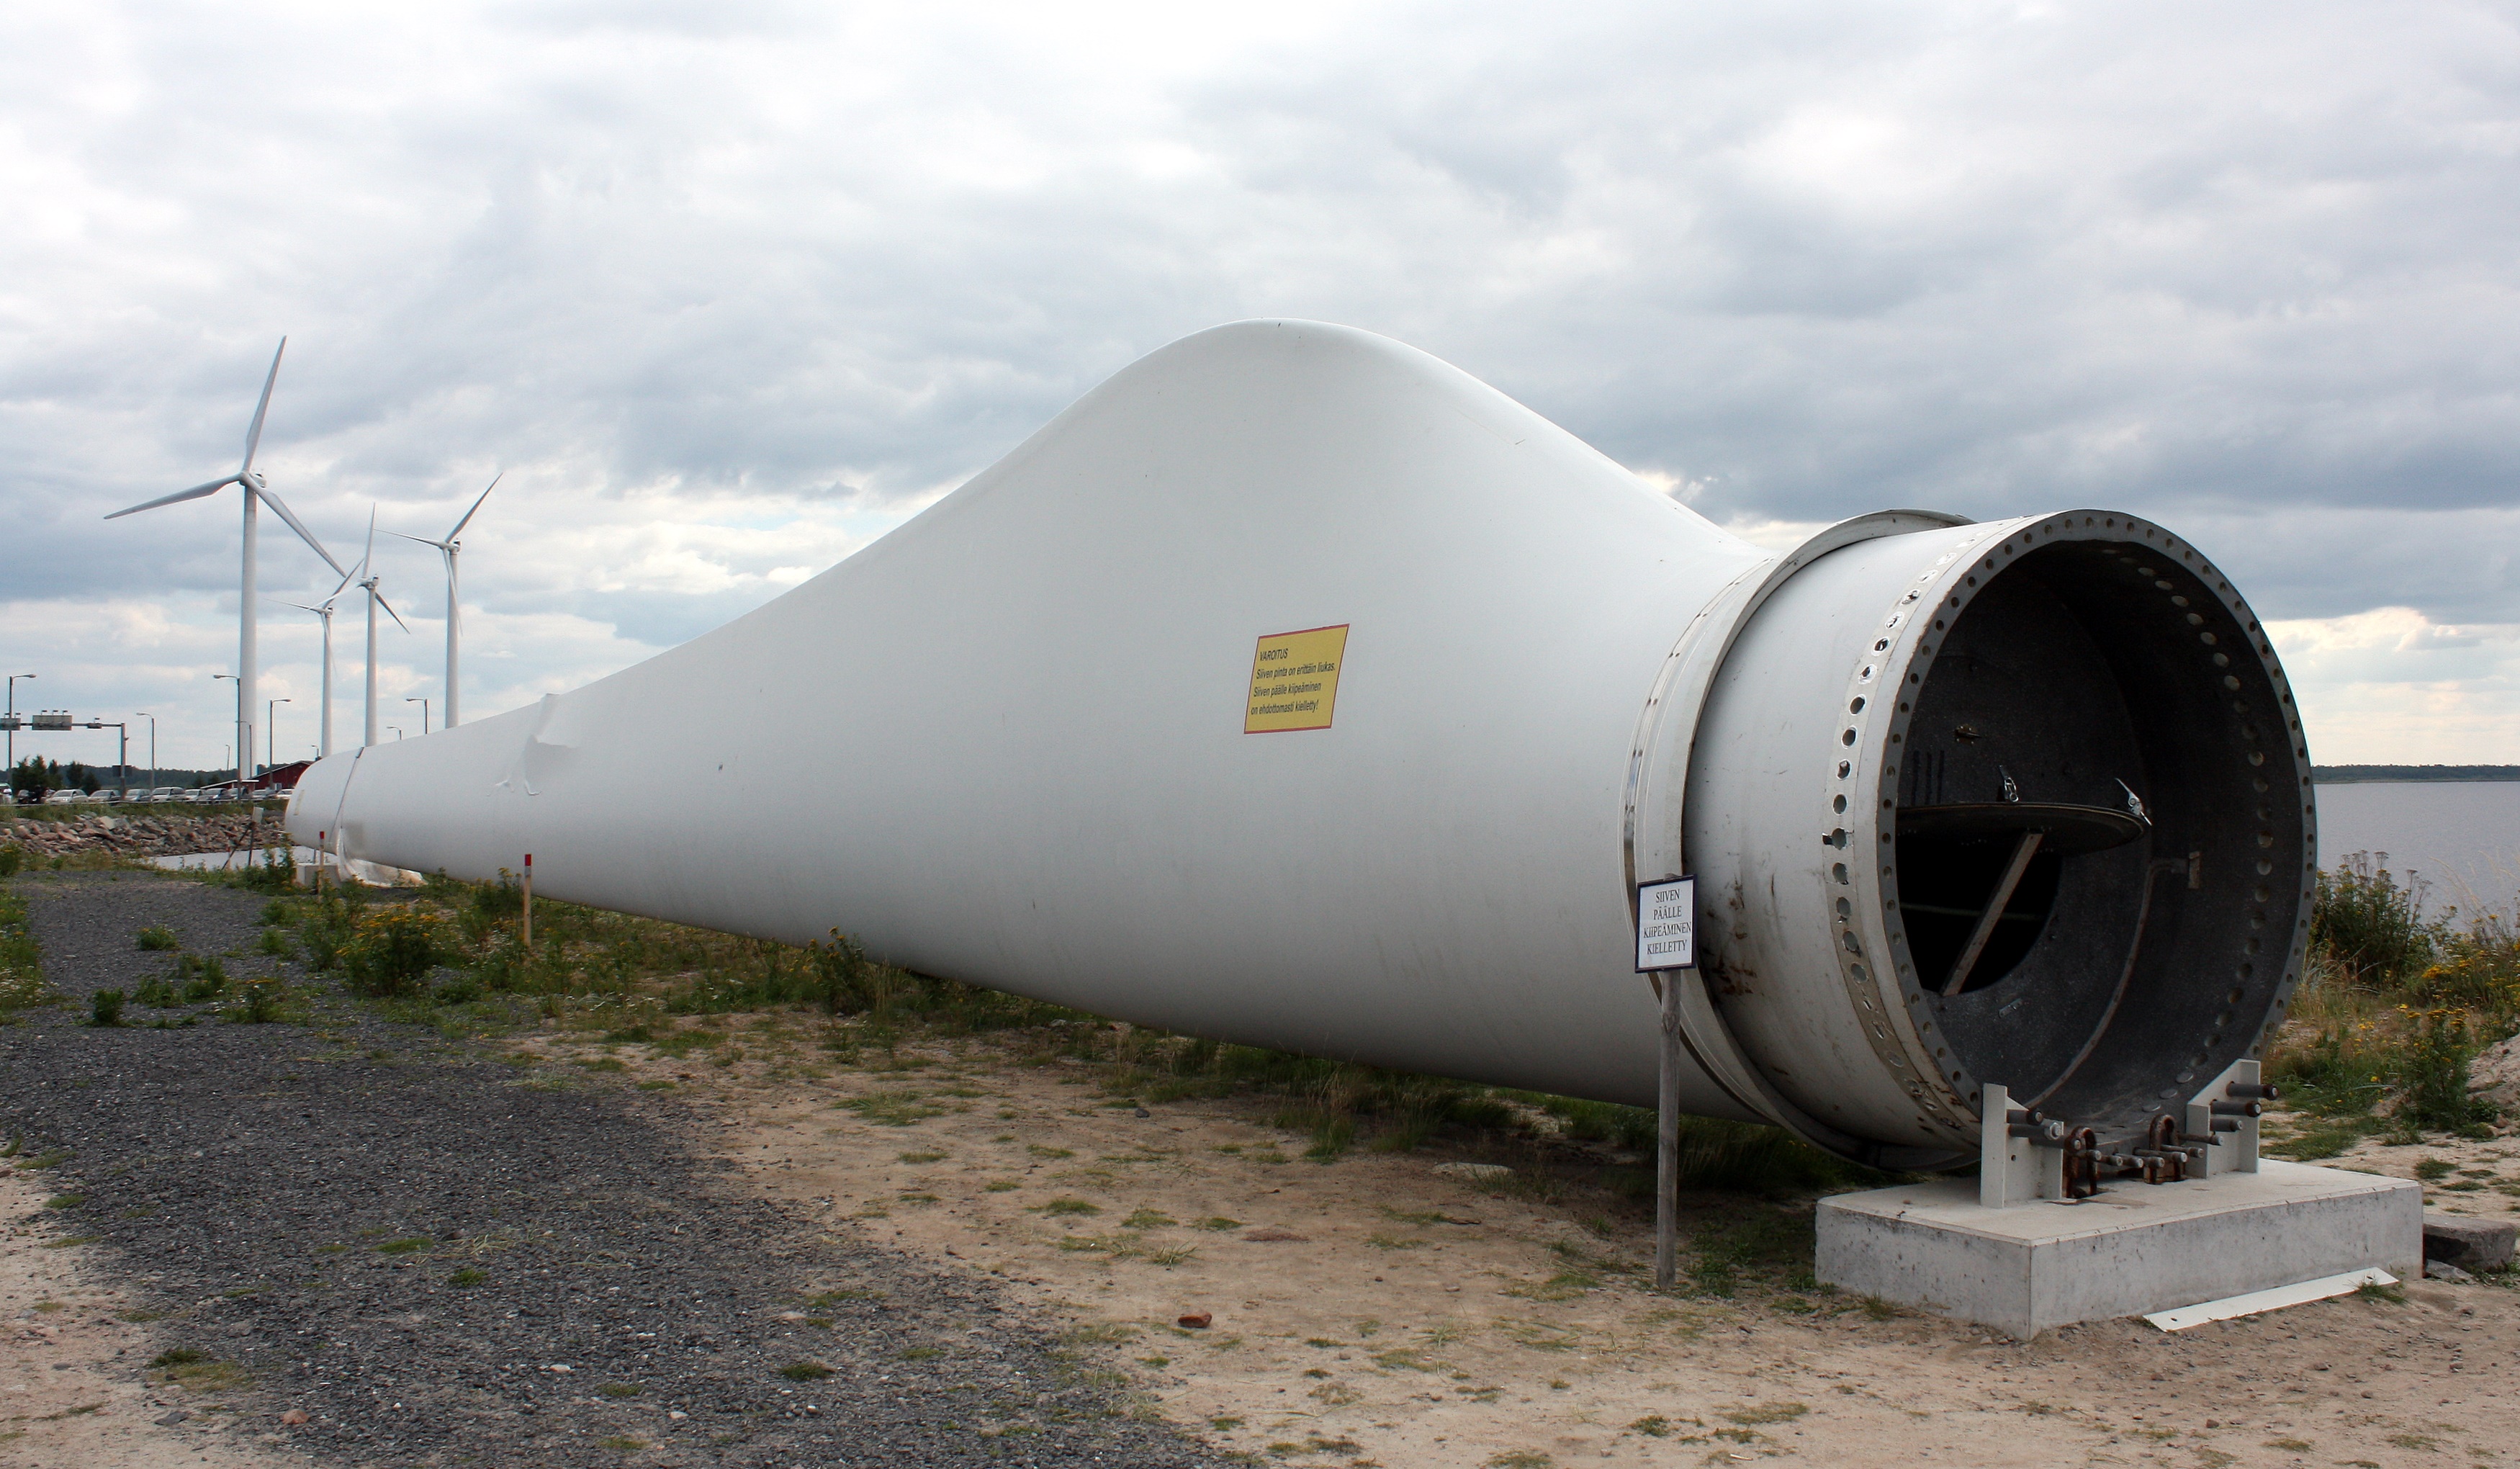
x=254 y=436
x=194 y=493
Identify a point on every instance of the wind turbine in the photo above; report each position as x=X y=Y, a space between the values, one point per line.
x=376 y=599
x=326 y=613
x=249 y=672
x=449 y=548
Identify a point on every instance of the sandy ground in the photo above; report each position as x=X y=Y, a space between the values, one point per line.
x=1377 y=1310
x=74 y=1387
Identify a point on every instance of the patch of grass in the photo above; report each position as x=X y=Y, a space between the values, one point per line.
x=2431 y=1169
x=621 y=1444
x=53 y=1158
x=1520 y=1459
x=467 y=1276
x=1051 y=1154
x=601 y=1063
x=1148 y=1219
x=411 y=1246
x=620 y=1390
x=805 y=1371
x=1219 y=1223
x=656 y=1087
x=892 y=1109
x=2373 y=1290
x=1766 y=1412
x=201 y=1372
x=928 y=1157
x=158 y=937
x=1002 y=1185
x=1382 y=1241
x=920 y=1353
x=65 y=1201
x=105 y=1007
x=1067 y=1207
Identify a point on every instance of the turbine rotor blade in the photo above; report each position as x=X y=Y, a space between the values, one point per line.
x=389 y=607
x=304 y=535
x=254 y=436
x=194 y=493
x=476 y=506
x=422 y=539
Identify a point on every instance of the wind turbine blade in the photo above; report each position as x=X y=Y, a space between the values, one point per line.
x=302 y=607
x=389 y=612
x=477 y=505
x=422 y=539
x=370 y=554
x=254 y=436
x=338 y=590
x=304 y=535
x=194 y=493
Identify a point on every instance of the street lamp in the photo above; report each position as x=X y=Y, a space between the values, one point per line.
x=13 y=735
x=241 y=716
x=397 y=729
x=271 y=732
x=152 y=751
x=424 y=713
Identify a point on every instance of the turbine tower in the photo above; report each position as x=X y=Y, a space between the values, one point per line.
x=325 y=611
x=249 y=671
x=376 y=599
x=450 y=548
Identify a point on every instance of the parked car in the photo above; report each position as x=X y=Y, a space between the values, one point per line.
x=166 y=792
x=66 y=798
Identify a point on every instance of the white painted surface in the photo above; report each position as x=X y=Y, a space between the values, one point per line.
x=1033 y=696
x=2256 y=1303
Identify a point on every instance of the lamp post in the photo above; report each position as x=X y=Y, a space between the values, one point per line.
x=241 y=719
x=152 y=751
x=397 y=729
x=270 y=734
x=13 y=735
x=424 y=713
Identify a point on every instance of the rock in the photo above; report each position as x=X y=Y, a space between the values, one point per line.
x=1480 y=1171
x=2443 y=1270
x=175 y=1417
x=293 y=1416
x=1198 y=1321
x=1272 y=1235
x=2495 y=1075
x=2469 y=1244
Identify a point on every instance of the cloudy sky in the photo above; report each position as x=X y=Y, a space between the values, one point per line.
x=728 y=290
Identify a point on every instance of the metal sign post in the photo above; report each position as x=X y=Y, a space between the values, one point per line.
x=1666 y=948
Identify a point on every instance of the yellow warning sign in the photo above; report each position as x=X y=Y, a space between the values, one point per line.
x=1294 y=680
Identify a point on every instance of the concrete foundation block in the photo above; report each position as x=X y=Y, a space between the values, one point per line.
x=2134 y=1249
x=2469 y=1244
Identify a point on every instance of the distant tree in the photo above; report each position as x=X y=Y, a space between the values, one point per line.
x=76 y=773
x=36 y=776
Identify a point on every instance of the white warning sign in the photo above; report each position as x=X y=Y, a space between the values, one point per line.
x=1667 y=923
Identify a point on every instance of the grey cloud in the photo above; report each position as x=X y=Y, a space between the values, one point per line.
x=2244 y=268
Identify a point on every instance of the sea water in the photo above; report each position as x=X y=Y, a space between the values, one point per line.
x=2461 y=838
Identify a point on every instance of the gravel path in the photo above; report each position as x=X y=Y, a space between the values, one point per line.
x=441 y=1262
